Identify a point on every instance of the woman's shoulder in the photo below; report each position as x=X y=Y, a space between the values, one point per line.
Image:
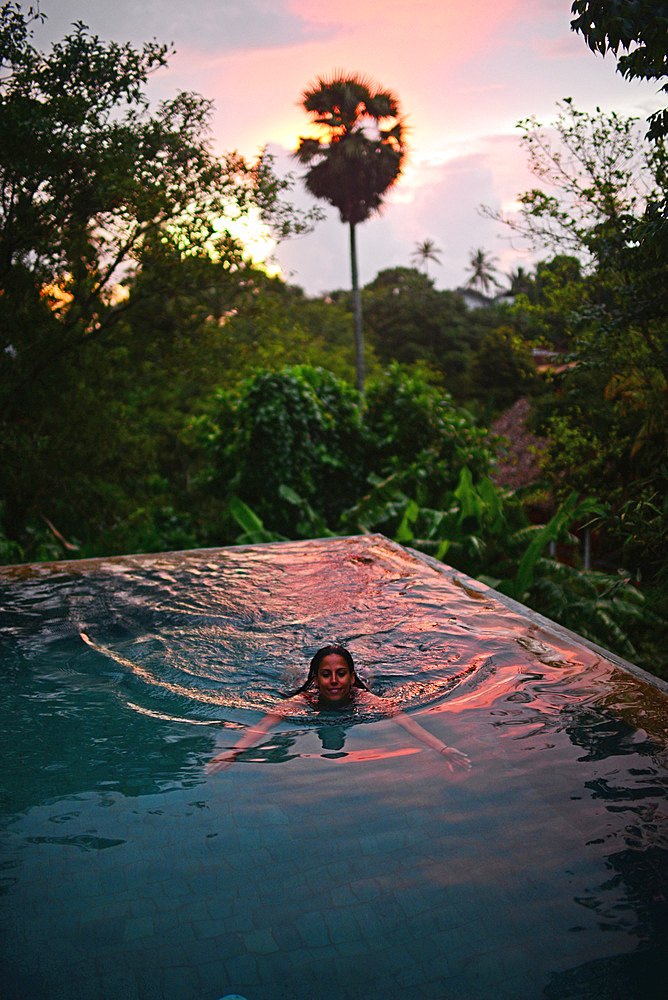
x=287 y=704
x=363 y=696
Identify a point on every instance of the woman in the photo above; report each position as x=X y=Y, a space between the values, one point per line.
x=333 y=683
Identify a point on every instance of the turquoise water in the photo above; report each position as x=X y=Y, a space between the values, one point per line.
x=339 y=858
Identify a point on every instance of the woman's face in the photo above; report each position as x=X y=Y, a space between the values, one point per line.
x=334 y=679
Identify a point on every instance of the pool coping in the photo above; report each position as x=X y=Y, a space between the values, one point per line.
x=541 y=620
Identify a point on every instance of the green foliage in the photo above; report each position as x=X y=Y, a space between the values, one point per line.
x=409 y=321
x=639 y=526
x=605 y=608
x=640 y=29
x=572 y=509
x=596 y=175
x=274 y=324
x=298 y=428
x=115 y=272
x=153 y=526
x=607 y=433
x=293 y=446
x=253 y=530
x=465 y=529
x=603 y=199
x=546 y=307
x=503 y=369
x=308 y=523
x=89 y=175
x=10 y=551
x=419 y=434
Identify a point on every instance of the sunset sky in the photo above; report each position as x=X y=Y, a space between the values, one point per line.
x=464 y=73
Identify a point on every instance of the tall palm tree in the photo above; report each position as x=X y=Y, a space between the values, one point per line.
x=424 y=252
x=482 y=267
x=353 y=162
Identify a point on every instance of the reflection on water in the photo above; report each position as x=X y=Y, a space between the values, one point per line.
x=546 y=866
x=198 y=628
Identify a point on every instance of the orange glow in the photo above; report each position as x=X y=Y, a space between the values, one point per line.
x=379 y=753
x=56 y=297
x=256 y=239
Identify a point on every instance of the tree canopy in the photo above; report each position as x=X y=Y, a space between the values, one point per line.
x=94 y=187
x=596 y=175
x=355 y=161
x=410 y=321
x=608 y=423
x=91 y=178
x=640 y=30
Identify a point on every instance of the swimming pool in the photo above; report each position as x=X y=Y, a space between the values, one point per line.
x=339 y=859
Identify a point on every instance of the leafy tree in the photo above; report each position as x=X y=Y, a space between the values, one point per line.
x=274 y=324
x=410 y=321
x=482 y=267
x=93 y=187
x=290 y=436
x=291 y=445
x=595 y=176
x=503 y=369
x=88 y=175
x=607 y=420
x=603 y=180
x=546 y=307
x=520 y=282
x=424 y=252
x=354 y=162
x=420 y=436
x=640 y=29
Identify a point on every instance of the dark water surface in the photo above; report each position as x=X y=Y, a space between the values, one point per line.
x=339 y=859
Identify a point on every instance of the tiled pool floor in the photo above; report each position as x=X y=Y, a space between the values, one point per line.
x=224 y=888
x=369 y=875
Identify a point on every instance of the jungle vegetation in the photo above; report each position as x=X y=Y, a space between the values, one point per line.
x=159 y=392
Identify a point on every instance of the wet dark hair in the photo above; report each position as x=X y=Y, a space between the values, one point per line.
x=317 y=660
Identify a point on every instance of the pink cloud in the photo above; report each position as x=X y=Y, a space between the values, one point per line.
x=428 y=55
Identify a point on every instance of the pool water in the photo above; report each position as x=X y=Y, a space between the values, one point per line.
x=339 y=859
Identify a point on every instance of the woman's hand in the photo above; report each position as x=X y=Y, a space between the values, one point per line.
x=221 y=762
x=454 y=759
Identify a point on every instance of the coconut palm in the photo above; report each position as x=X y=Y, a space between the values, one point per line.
x=424 y=252
x=482 y=267
x=353 y=162
x=520 y=281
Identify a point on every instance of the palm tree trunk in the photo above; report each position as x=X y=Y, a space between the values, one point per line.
x=357 y=313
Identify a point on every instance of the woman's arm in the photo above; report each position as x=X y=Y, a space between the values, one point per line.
x=453 y=758
x=226 y=758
